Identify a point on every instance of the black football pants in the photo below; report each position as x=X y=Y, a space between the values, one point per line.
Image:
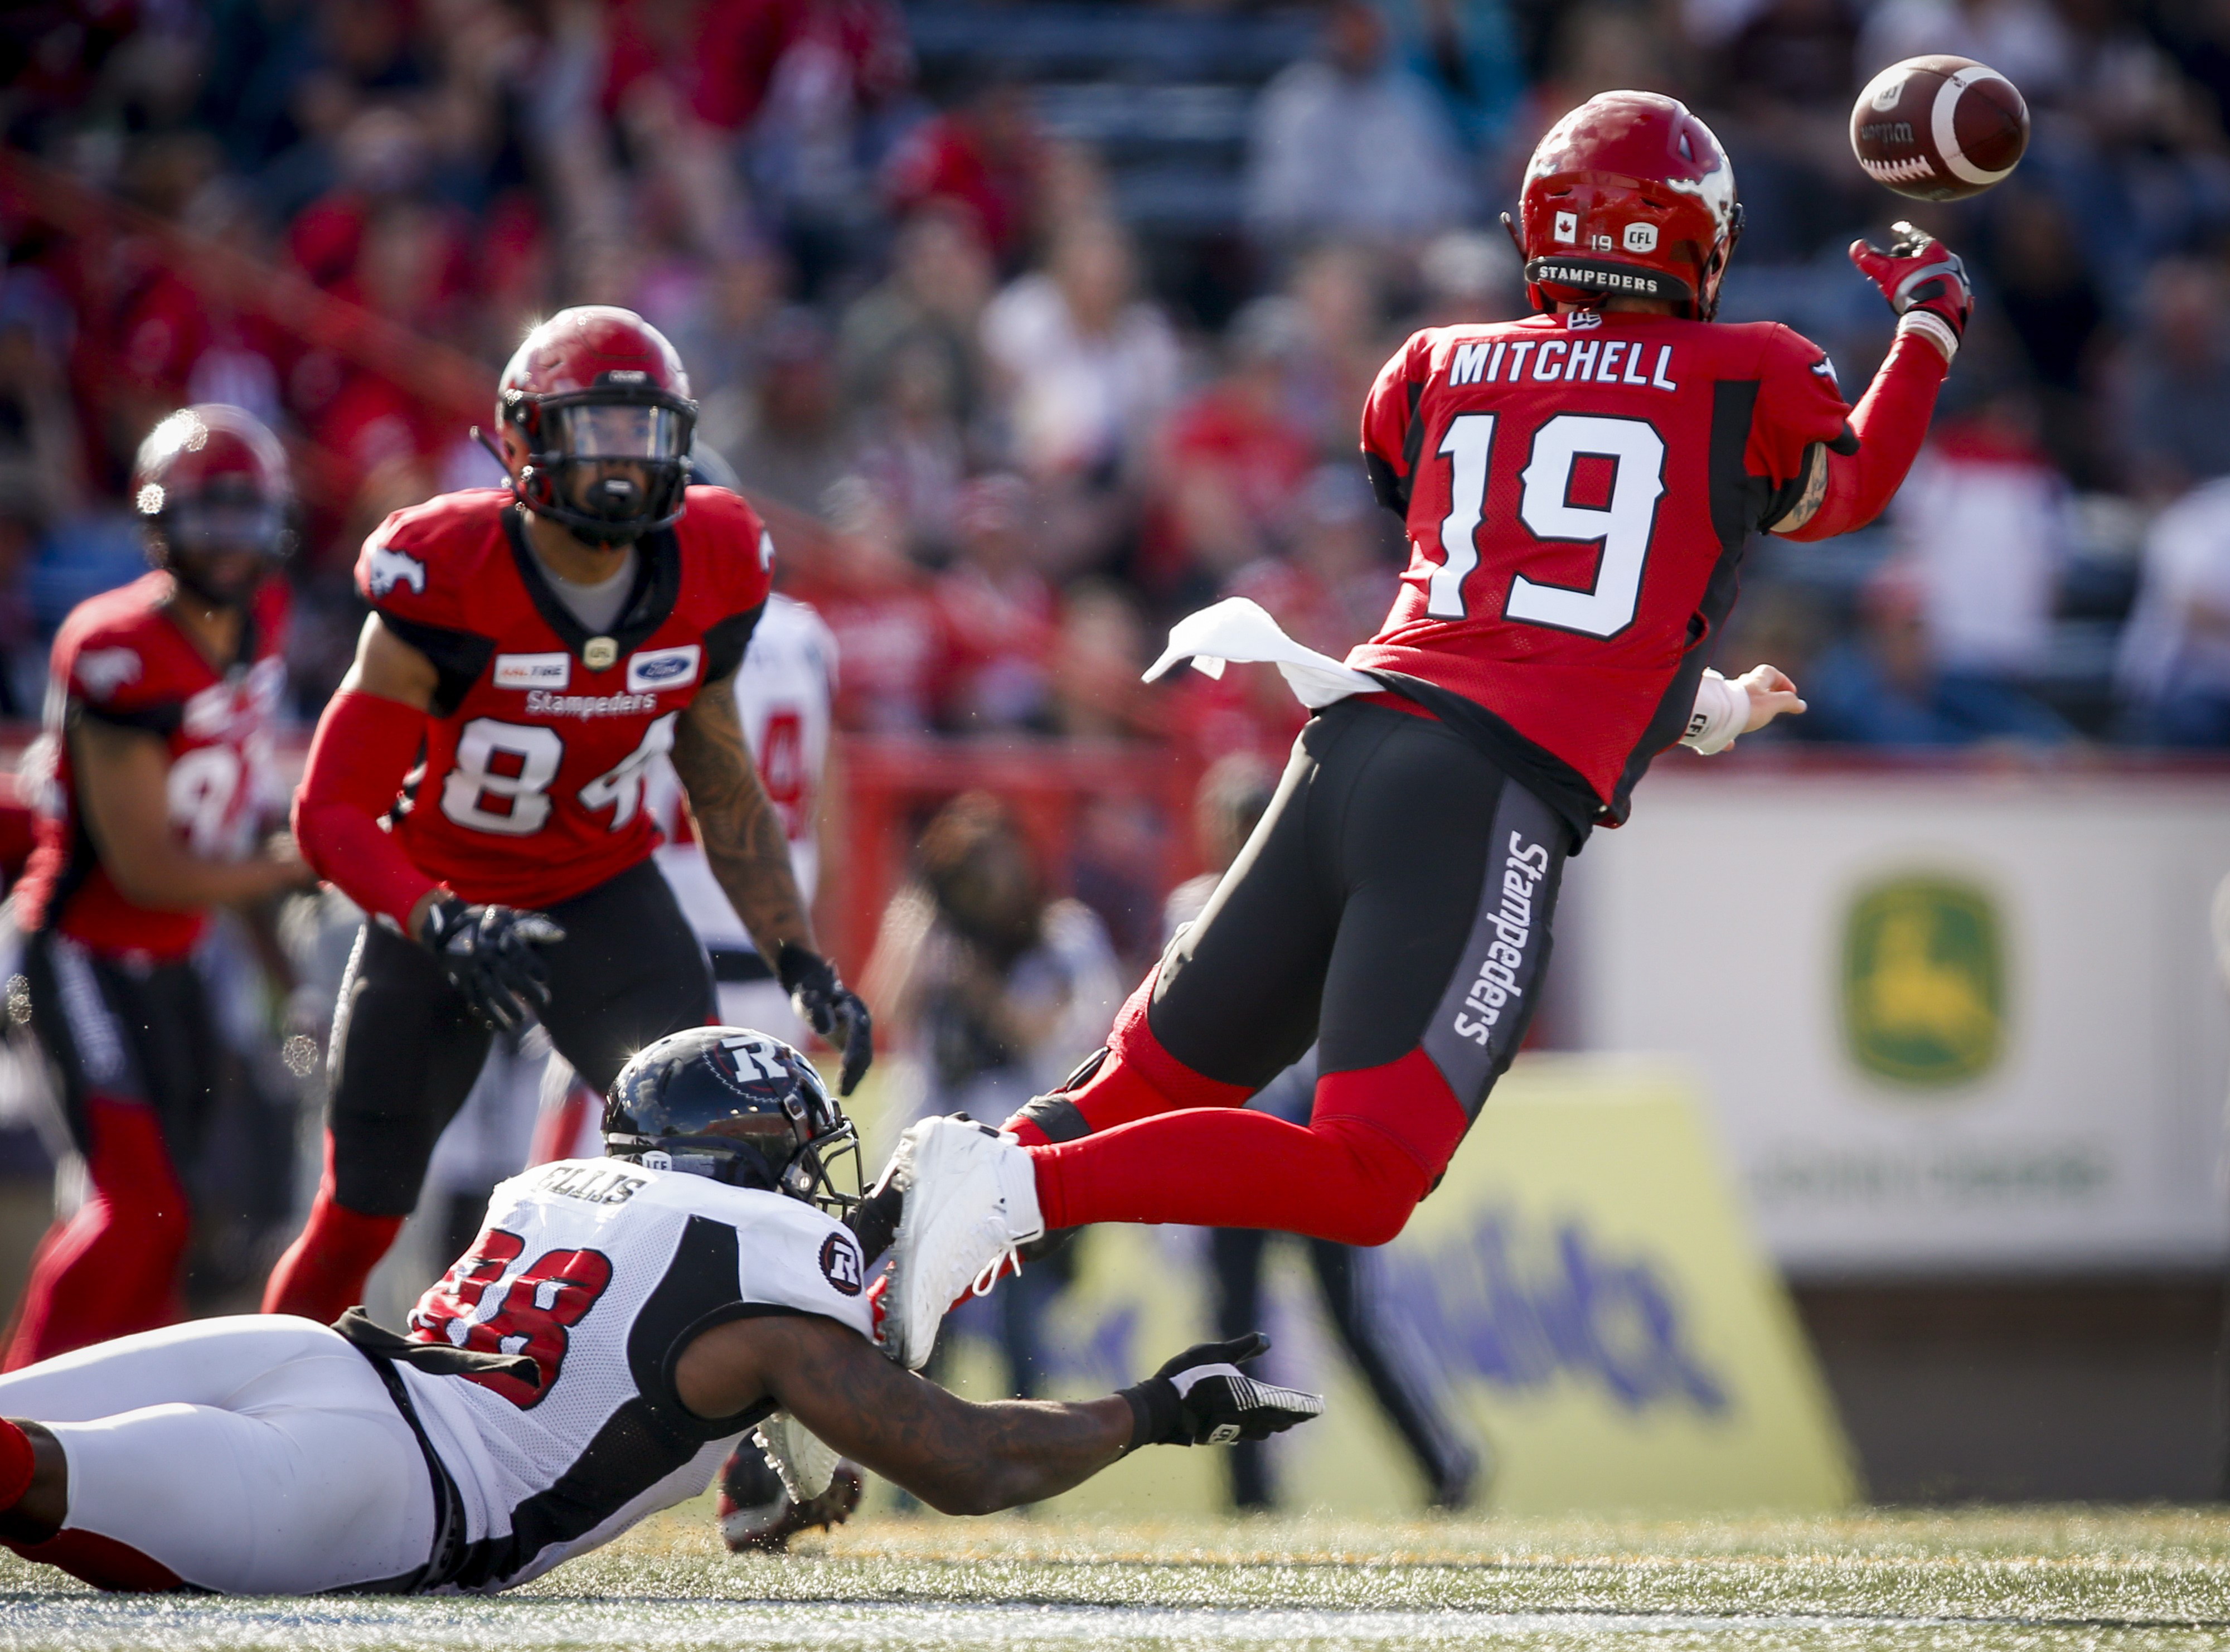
x=1397 y=893
x=406 y=1048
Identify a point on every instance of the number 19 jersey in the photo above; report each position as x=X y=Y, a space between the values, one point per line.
x=1577 y=490
x=541 y=737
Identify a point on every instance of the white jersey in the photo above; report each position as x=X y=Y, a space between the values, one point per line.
x=785 y=693
x=600 y=1271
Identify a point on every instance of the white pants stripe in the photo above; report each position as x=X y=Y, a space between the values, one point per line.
x=259 y=1454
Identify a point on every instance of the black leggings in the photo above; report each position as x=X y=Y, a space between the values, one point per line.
x=128 y=1033
x=406 y=1048
x=1398 y=893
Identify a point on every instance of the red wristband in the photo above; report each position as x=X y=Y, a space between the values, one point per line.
x=363 y=747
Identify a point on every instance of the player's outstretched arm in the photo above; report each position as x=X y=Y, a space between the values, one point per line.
x=748 y=852
x=1926 y=287
x=964 y=1458
x=959 y=1457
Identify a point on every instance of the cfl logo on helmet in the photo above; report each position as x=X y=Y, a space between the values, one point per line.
x=1641 y=237
x=1568 y=226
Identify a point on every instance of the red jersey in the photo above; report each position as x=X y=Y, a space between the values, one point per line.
x=119 y=658
x=1578 y=490
x=540 y=734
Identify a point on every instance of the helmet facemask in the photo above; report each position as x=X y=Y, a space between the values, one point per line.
x=610 y=464
x=195 y=539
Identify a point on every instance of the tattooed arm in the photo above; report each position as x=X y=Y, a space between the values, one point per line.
x=737 y=823
x=959 y=1457
x=1808 y=502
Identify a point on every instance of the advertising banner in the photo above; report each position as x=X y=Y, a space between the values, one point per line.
x=1948 y=1024
x=1582 y=1285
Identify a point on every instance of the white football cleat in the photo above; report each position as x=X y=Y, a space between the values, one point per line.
x=971 y=1196
x=793 y=1451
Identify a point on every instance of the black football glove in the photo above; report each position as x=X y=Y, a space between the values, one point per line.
x=493 y=955
x=1201 y=1397
x=1918 y=273
x=831 y=1008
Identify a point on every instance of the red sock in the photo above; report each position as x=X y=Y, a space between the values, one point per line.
x=113 y=1268
x=103 y=1562
x=1376 y=1140
x=17 y=1464
x=1139 y=1078
x=321 y=1276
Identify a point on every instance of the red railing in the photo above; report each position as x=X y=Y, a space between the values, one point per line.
x=886 y=786
x=891 y=785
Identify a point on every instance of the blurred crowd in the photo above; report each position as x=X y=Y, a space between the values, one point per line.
x=1034 y=328
x=1036 y=419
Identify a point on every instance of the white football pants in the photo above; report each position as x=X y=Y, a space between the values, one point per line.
x=259 y=1454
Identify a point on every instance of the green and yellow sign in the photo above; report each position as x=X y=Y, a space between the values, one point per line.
x=1924 y=982
x=1583 y=1285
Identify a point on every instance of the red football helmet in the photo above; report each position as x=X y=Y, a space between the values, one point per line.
x=1628 y=194
x=600 y=388
x=212 y=480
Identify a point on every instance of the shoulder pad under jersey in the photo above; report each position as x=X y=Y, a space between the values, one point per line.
x=722 y=535
x=424 y=562
x=117 y=653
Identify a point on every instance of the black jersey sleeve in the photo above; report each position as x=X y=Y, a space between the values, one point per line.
x=458 y=656
x=725 y=642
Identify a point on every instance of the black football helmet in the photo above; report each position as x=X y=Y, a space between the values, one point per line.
x=740 y=1107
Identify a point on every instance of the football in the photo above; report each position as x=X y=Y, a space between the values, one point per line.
x=1939 y=128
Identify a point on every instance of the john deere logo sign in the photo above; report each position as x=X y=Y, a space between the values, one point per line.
x=1924 y=982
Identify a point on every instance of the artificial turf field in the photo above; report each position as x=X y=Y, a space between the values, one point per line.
x=2040 y=1579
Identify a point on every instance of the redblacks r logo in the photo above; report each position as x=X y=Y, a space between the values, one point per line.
x=840 y=1264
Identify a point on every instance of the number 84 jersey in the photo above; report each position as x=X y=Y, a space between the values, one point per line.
x=1577 y=490
x=540 y=735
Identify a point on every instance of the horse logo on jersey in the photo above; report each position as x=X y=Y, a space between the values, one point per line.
x=103 y=671
x=390 y=568
x=839 y=1265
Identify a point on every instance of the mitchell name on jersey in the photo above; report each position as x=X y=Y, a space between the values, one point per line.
x=601 y=1272
x=541 y=736
x=1577 y=490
